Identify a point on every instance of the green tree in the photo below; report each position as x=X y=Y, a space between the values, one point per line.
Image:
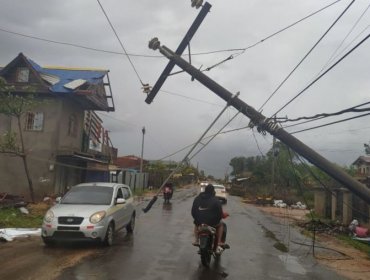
x=16 y=106
x=280 y=167
x=238 y=164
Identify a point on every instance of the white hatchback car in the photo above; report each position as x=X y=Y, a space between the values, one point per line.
x=90 y=211
x=221 y=192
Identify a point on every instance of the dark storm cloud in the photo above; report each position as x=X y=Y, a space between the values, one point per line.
x=174 y=122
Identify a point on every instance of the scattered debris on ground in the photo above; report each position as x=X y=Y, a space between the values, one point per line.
x=8 y=234
x=319 y=226
x=10 y=200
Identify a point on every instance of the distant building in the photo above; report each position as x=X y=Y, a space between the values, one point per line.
x=131 y=163
x=64 y=138
x=362 y=165
x=128 y=172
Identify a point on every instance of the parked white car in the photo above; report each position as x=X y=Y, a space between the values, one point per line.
x=90 y=211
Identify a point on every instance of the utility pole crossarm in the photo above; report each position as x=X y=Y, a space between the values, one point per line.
x=269 y=125
x=185 y=41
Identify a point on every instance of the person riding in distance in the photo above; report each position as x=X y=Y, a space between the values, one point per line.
x=168 y=187
x=207 y=209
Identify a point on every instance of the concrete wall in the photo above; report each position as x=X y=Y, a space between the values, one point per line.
x=41 y=148
x=66 y=142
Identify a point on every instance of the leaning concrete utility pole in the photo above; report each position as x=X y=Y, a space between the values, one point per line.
x=257 y=119
x=265 y=124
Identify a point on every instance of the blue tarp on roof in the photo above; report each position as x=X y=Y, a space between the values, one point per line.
x=69 y=75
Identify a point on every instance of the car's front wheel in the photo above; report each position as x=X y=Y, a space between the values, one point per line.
x=48 y=242
x=109 y=236
x=130 y=227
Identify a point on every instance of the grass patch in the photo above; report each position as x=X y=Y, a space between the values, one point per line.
x=281 y=247
x=278 y=245
x=363 y=247
x=14 y=218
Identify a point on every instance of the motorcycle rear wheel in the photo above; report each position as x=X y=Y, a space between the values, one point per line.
x=205 y=257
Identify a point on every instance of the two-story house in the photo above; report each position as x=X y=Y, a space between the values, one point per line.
x=64 y=138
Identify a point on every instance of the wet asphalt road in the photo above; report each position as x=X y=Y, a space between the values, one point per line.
x=161 y=249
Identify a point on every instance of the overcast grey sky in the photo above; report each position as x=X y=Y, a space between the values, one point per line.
x=184 y=109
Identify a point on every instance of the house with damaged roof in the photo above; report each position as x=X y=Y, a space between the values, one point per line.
x=64 y=138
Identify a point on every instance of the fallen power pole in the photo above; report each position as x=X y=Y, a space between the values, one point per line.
x=260 y=121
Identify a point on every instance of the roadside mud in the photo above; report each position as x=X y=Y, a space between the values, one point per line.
x=26 y=256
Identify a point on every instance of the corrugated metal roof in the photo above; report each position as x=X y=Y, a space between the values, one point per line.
x=50 y=78
x=66 y=76
x=75 y=84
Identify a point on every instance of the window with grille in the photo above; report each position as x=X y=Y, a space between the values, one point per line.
x=34 y=121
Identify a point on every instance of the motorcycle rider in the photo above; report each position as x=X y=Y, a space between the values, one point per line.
x=168 y=187
x=207 y=209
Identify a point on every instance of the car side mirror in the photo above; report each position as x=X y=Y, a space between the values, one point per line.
x=120 y=201
x=58 y=199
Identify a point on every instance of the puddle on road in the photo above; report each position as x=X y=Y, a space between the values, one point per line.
x=291 y=264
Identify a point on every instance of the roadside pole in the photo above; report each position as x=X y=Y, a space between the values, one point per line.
x=264 y=124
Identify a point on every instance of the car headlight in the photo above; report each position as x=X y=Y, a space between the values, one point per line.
x=49 y=216
x=97 y=217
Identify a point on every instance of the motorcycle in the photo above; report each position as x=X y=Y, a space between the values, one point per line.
x=208 y=246
x=167 y=194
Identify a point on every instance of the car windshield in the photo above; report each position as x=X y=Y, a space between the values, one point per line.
x=88 y=195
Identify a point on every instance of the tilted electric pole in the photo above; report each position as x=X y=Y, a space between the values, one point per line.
x=269 y=125
x=257 y=119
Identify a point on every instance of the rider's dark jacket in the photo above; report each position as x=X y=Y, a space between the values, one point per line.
x=207 y=209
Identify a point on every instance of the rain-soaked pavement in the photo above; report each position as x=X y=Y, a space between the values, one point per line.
x=161 y=249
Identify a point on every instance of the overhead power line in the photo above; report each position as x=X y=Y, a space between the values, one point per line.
x=205 y=138
x=309 y=52
x=242 y=50
x=353 y=109
x=271 y=35
x=331 y=123
x=75 y=45
x=213 y=136
x=344 y=39
x=190 y=98
x=120 y=42
x=296 y=124
x=258 y=146
x=323 y=74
